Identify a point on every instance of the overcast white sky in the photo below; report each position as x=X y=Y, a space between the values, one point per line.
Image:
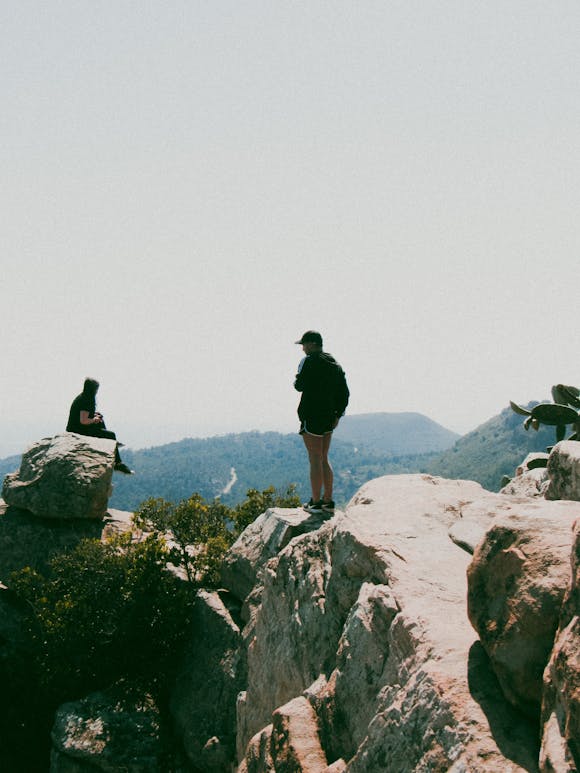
x=188 y=186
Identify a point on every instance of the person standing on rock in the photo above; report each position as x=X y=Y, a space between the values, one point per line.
x=84 y=419
x=324 y=399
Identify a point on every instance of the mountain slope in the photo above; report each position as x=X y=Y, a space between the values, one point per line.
x=259 y=459
x=365 y=446
x=492 y=450
x=393 y=434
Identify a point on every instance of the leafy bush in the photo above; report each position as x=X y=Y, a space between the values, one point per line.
x=257 y=502
x=105 y=611
x=110 y=614
x=112 y=610
x=197 y=534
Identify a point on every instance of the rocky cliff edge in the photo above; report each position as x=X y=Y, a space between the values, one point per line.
x=360 y=653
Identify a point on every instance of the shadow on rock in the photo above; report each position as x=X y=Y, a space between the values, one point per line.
x=26 y=540
x=515 y=734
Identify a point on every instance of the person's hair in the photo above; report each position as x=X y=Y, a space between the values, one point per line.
x=90 y=387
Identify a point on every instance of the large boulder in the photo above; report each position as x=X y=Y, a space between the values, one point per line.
x=516 y=584
x=213 y=671
x=26 y=540
x=561 y=705
x=531 y=478
x=365 y=619
x=260 y=541
x=564 y=471
x=108 y=733
x=65 y=476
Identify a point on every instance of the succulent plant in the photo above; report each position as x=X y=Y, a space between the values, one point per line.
x=566 y=395
x=557 y=414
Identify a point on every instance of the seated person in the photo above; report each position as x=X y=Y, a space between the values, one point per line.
x=84 y=419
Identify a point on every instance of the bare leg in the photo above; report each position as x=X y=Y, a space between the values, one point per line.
x=327 y=473
x=314 y=446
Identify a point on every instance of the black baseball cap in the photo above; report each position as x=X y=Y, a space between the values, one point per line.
x=311 y=337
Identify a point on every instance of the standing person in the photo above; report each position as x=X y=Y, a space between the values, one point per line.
x=84 y=419
x=324 y=399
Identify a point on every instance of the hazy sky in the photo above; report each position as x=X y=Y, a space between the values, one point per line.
x=188 y=186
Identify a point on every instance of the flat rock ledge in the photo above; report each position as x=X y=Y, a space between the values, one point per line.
x=67 y=476
x=360 y=655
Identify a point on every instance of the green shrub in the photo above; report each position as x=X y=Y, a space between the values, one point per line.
x=111 y=610
x=104 y=611
x=257 y=502
x=197 y=534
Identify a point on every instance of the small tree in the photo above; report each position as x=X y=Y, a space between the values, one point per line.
x=257 y=502
x=104 y=611
x=197 y=533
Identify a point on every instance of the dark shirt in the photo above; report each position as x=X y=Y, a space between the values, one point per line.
x=80 y=403
x=323 y=385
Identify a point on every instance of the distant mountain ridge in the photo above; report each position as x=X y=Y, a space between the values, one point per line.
x=394 y=434
x=365 y=446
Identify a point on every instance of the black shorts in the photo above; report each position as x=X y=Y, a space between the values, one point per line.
x=318 y=427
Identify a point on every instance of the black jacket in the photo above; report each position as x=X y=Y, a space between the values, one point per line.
x=323 y=385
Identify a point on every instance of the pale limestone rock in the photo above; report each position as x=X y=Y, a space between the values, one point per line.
x=67 y=476
x=337 y=767
x=475 y=518
x=530 y=483
x=564 y=471
x=260 y=541
x=561 y=704
x=290 y=743
x=517 y=581
x=531 y=478
x=109 y=734
x=258 y=758
x=534 y=460
x=365 y=618
x=213 y=671
x=295 y=741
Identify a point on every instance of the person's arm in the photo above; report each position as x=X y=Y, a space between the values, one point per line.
x=302 y=375
x=343 y=395
x=85 y=419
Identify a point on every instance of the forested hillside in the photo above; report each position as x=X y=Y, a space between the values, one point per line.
x=364 y=447
x=252 y=460
x=492 y=450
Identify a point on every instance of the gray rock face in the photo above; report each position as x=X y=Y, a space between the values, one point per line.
x=67 y=476
x=564 y=471
x=531 y=478
x=561 y=703
x=26 y=540
x=101 y=733
x=261 y=540
x=203 y=701
x=365 y=619
x=290 y=743
x=516 y=582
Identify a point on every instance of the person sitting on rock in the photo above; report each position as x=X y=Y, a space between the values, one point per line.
x=84 y=419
